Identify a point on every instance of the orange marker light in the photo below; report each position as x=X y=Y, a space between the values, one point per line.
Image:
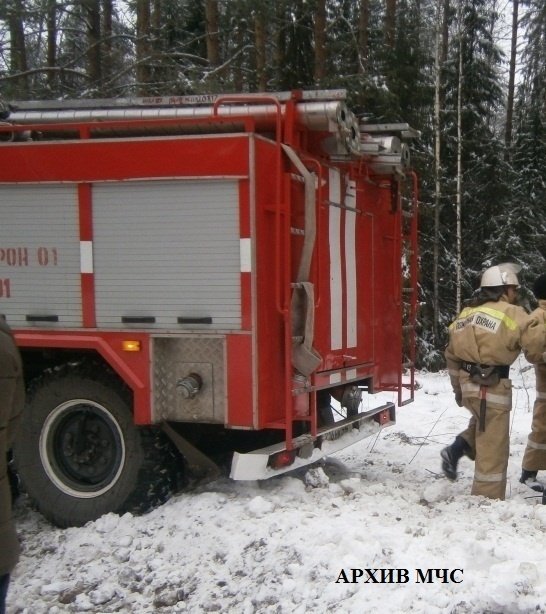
x=130 y=346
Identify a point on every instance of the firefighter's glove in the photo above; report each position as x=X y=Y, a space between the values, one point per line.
x=459 y=398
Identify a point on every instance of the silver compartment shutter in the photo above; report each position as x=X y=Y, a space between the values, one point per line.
x=39 y=225
x=167 y=250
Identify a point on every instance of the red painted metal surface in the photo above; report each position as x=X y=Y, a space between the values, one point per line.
x=133 y=367
x=115 y=160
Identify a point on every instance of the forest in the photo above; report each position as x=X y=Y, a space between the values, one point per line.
x=470 y=75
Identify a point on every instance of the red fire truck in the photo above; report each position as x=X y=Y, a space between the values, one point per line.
x=193 y=276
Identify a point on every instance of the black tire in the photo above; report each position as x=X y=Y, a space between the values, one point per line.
x=79 y=454
x=349 y=405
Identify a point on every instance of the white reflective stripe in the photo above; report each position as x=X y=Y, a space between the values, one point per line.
x=473 y=390
x=350 y=374
x=86 y=256
x=350 y=264
x=489 y=477
x=336 y=297
x=535 y=445
x=470 y=389
x=245 y=254
x=335 y=378
x=498 y=399
x=541 y=395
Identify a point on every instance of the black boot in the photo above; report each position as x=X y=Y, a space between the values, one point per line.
x=451 y=456
x=529 y=478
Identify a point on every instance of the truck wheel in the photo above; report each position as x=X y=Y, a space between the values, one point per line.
x=79 y=454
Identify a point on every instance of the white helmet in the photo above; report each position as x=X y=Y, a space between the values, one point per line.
x=505 y=274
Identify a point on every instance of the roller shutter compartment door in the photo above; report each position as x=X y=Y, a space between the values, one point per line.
x=167 y=250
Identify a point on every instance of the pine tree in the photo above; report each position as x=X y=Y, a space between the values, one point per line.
x=524 y=226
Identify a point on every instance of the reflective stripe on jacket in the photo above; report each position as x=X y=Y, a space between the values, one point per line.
x=492 y=334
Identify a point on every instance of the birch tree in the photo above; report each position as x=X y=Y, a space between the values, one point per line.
x=459 y=195
x=440 y=57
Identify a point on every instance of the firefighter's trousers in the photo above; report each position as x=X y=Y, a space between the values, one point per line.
x=491 y=447
x=534 y=458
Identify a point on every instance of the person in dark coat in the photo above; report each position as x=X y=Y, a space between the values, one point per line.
x=11 y=405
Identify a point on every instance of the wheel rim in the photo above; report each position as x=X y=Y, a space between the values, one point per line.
x=82 y=448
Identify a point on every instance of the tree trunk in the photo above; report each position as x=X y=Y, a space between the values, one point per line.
x=445 y=31
x=437 y=173
x=93 y=51
x=18 y=62
x=159 y=64
x=459 y=164
x=211 y=32
x=51 y=20
x=280 y=39
x=390 y=23
x=363 y=35
x=511 y=78
x=107 y=47
x=320 y=42
x=440 y=59
x=143 y=48
x=238 y=65
x=259 y=41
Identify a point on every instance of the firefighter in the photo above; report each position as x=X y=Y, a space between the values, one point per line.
x=484 y=341
x=534 y=458
x=11 y=406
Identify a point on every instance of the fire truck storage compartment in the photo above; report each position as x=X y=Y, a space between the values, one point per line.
x=40 y=254
x=163 y=250
x=168 y=250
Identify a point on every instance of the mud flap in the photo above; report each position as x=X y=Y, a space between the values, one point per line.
x=200 y=466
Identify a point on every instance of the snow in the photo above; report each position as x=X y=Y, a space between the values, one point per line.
x=287 y=544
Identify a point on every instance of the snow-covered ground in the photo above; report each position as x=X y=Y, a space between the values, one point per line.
x=287 y=544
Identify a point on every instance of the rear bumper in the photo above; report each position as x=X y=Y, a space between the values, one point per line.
x=274 y=460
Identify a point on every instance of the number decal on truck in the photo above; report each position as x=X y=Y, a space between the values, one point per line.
x=5 y=288
x=47 y=256
x=24 y=256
